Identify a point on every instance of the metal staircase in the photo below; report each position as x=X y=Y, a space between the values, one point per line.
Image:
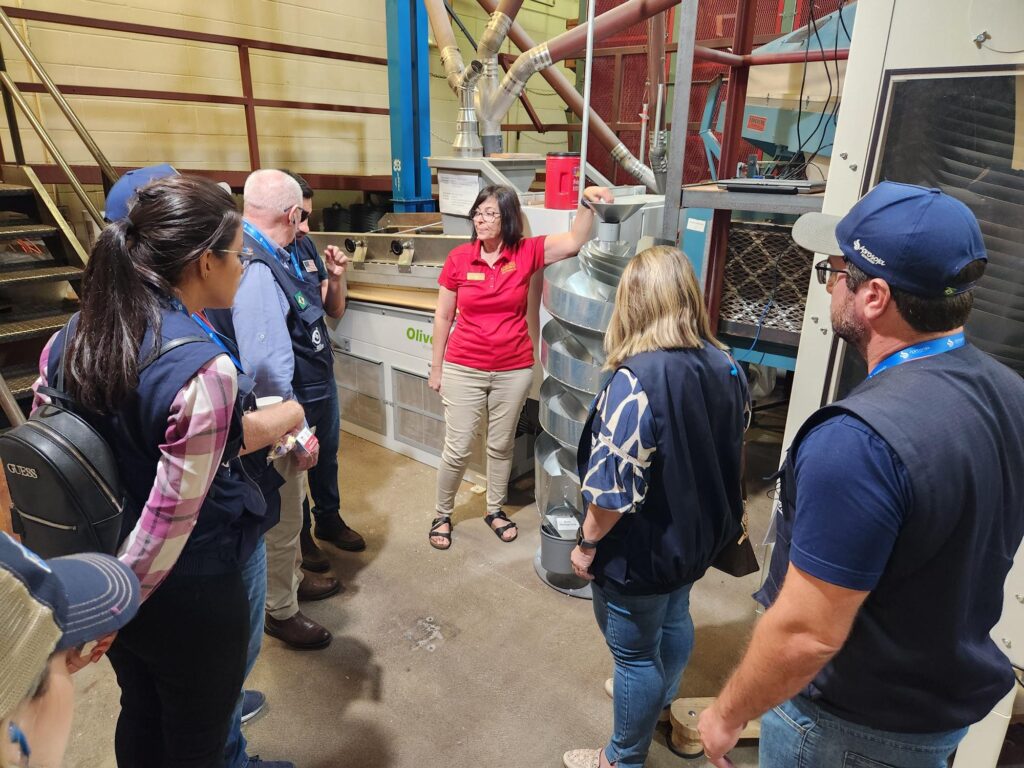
x=41 y=259
x=41 y=263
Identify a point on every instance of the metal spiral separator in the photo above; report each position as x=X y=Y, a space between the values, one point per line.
x=579 y=295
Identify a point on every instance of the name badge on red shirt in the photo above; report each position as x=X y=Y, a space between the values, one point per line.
x=510 y=267
x=475 y=275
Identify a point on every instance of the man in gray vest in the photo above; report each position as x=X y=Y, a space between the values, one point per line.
x=900 y=512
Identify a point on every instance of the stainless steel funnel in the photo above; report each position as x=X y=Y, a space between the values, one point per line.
x=614 y=213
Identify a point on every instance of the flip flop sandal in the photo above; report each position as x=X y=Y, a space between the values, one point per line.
x=489 y=519
x=434 y=533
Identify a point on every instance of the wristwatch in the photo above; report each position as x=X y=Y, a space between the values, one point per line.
x=584 y=543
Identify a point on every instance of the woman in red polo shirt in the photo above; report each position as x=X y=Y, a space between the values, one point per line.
x=485 y=364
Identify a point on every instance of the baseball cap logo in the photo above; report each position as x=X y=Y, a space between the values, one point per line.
x=866 y=254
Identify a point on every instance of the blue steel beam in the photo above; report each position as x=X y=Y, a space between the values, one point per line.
x=409 y=96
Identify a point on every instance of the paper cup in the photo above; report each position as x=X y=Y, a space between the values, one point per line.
x=264 y=402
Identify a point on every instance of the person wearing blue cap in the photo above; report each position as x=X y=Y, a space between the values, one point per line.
x=899 y=511
x=121 y=195
x=49 y=610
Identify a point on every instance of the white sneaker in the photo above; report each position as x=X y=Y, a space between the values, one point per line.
x=582 y=758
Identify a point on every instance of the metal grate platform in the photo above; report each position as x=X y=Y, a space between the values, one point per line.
x=39 y=274
x=26 y=231
x=14 y=190
x=39 y=323
x=763 y=263
x=20 y=379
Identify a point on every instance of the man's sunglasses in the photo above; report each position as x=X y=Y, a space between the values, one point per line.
x=303 y=216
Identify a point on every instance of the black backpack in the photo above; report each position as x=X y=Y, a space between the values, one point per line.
x=66 y=492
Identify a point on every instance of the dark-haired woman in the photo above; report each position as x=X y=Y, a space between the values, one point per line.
x=483 y=367
x=169 y=397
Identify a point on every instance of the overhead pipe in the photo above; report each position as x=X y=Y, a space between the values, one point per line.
x=568 y=93
x=496 y=29
x=730 y=59
x=588 y=71
x=487 y=51
x=632 y=12
x=451 y=56
x=655 y=57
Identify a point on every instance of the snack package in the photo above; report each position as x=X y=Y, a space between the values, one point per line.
x=303 y=440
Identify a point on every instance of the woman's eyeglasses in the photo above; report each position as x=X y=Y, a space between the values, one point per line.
x=826 y=273
x=244 y=255
x=487 y=216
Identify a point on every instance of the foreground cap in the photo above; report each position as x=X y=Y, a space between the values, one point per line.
x=124 y=189
x=53 y=605
x=915 y=238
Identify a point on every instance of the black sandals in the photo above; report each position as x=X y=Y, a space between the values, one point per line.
x=434 y=533
x=499 y=532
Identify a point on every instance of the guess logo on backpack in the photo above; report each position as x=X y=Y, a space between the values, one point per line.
x=17 y=469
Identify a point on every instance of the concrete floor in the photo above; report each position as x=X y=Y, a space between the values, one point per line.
x=461 y=658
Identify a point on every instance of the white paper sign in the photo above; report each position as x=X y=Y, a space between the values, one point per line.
x=696 y=225
x=457 y=191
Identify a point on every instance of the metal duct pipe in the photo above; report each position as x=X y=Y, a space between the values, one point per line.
x=534 y=60
x=655 y=58
x=497 y=28
x=467 y=142
x=451 y=56
x=567 y=91
x=608 y=23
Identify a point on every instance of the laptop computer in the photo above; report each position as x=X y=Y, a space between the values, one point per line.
x=773 y=186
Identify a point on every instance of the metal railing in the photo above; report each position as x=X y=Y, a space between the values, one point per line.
x=12 y=93
x=248 y=99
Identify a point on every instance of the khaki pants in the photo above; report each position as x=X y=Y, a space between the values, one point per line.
x=468 y=394
x=284 y=557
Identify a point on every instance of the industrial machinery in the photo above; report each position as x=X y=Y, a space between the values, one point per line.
x=578 y=299
x=789 y=114
x=383 y=343
x=384 y=339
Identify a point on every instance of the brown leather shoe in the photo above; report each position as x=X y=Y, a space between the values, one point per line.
x=314 y=587
x=312 y=558
x=333 y=530
x=298 y=632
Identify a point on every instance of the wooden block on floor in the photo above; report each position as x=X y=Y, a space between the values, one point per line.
x=683 y=716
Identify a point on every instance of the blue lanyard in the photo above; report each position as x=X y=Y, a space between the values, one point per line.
x=269 y=247
x=216 y=339
x=17 y=736
x=209 y=331
x=919 y=351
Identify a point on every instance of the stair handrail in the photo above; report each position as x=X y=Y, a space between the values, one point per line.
x=9 y=405
x=106 y=168
x=9 y=85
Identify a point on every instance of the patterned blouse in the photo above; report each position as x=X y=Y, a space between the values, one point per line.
x=622 y=451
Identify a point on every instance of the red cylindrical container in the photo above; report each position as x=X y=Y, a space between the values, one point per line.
x=562 y=180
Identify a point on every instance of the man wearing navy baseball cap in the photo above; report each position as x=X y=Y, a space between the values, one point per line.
x=899 y=513
x=49 y=610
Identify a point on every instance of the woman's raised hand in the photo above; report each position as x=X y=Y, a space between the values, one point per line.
x=598 y=195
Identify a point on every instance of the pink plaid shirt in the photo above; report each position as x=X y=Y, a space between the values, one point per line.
x=190 y=455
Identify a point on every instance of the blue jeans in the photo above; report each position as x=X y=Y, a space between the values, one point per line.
x=323 y=478
x=650 y=637
x=254 y=578
x=799 y=734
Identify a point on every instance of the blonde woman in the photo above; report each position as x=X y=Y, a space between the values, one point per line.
x=660 y=468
